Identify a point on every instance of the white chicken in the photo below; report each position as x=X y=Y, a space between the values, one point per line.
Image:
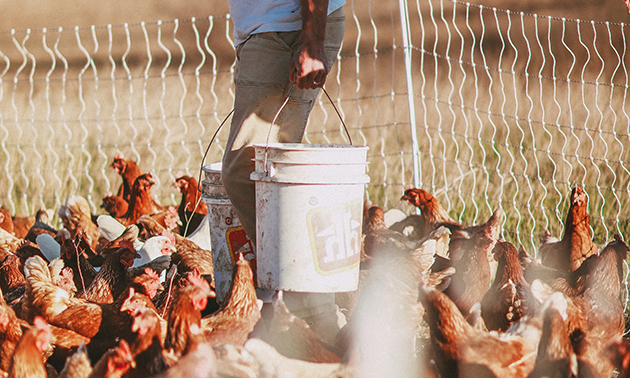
x=153 y=248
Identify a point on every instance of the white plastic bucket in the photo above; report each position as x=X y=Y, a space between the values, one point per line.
x=309 y=203
x=227 y=236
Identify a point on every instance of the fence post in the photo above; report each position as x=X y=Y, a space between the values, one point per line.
x=406 y=37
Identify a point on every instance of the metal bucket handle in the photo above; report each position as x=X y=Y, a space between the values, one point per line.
x=265 y=168
x=203 y=160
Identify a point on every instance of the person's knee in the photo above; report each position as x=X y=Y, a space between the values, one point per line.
x=231 y=172
x=227 y=177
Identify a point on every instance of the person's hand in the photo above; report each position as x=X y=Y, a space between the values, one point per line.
x=308 y=68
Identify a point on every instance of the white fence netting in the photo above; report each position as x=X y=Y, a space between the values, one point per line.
x=512 y=109
x=516 y=109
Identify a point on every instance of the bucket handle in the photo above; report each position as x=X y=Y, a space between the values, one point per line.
x=265 y=168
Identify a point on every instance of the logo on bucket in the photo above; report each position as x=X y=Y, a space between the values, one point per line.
x=238 y=242
x=335 y=233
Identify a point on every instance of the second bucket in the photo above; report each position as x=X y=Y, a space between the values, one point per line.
x=309 y=203
x=227 y=236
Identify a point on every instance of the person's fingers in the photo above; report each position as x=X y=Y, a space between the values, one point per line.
x=293 y=74
x=320 y=79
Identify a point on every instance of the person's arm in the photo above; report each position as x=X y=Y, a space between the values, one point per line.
x=309 y=66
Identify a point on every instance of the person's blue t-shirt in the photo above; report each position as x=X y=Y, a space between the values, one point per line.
x=259 y=16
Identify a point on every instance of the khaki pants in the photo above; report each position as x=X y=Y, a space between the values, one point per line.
x=261 y=86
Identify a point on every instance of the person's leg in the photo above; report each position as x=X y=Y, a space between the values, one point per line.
x=319 y=311
x=261 y=86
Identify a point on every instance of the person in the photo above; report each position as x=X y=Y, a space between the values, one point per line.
x=283 y=47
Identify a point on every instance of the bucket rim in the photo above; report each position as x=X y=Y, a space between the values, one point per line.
x=361 y=179
x=213 y=167
x=307 y=146
x=287 y=162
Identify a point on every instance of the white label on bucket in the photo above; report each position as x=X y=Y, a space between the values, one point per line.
x=335 y=233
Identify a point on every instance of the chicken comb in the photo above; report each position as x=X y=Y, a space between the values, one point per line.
x=4 y=318
x=617 y=237
x=107 y=194
x=408 y=186
x=127 y=305
x=41 y=324
x=124 y=351
x=119 y=156
x=179 y=175
x=195 y=278
x=67 y=273
x=240 y=257
x=127 y=244
x=169 y=235
x=151 y=273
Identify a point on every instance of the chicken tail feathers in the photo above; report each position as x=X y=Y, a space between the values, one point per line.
x=36 y=270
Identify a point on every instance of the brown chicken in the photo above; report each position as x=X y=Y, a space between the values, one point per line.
x=78 y=365
x=293 y=338
x=510 y=296
x=472 y=276
x=462 y=351
x=410 y=226
x=10 y=334
x=129 y=171
x=576 y=244
x=604 y=311
x=555 y=357
x=103 y=323
x=595 y=313
x=380 y=240
x=137 y=301
x=56 y=304
x=618 y=352
x=28 y=359
x=12 y=282
x=147 y=346
x=6 y=221
x=117 y=318
x=184 y=316
x=114 y=363
x=432 y=214
x=22 y=224
x=140 y=201
x=41 y=226
x=110 y=281
x=72 y=250
x=76 y=217
x=240 y=311
x=64 y=344
x=43 y=296
x=115 y=206
x=8 y=242
x=191 y=209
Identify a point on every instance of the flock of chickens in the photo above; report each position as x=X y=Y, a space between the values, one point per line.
x=130 y=294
